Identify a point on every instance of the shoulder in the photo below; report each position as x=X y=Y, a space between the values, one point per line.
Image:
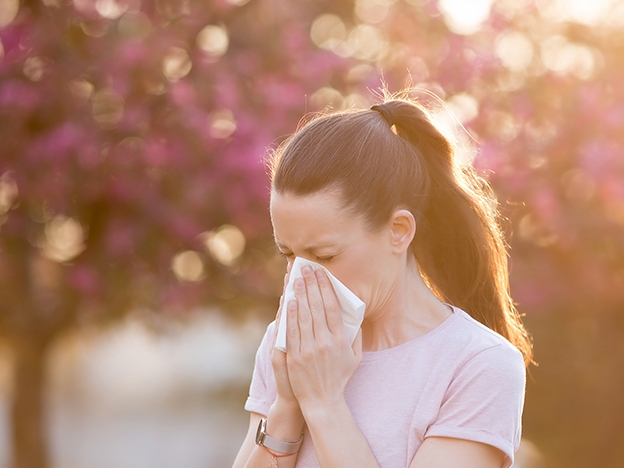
x=480 y=342
x=486 y=359
x=470 y=353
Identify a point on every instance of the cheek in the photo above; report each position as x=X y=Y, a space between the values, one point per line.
x=348 y=273
x=360 y=276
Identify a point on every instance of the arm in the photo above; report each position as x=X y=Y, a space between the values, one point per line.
x=337 y=439
x=284 y=423
x=478 y=423
x=444 y=452
x=320 y=362
x=284 y=419
x=249 y=443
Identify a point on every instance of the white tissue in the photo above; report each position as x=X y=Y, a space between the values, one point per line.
x=352 y=306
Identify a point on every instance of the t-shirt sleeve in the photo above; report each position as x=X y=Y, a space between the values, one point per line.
x=258 y=400
x=484 y=401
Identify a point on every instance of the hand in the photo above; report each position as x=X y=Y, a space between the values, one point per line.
x=320 y=359
x=278 y=358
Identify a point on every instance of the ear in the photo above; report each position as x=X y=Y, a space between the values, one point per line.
x=402 y=230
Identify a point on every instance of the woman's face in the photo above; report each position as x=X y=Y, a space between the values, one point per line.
x=317 y=227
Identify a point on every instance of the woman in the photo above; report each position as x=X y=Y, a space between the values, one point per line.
x=436 y=376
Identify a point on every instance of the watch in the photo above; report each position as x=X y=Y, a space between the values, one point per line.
x=285 y=447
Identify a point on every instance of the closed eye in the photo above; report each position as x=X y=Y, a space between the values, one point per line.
x=324 y=259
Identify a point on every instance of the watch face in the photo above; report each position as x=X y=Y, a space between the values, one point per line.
x=260 y=432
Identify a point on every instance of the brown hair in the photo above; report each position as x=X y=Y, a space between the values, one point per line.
x=393 y=156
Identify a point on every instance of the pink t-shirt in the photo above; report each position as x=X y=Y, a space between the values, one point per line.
x=460 y=380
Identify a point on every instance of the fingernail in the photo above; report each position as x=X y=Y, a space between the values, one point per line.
x=306 y=270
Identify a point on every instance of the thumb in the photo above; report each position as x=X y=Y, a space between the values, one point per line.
x=357 y=344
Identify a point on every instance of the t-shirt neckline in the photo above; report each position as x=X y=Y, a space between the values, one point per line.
x=368 y=356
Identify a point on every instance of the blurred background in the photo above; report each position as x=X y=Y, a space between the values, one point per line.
x=137 y=269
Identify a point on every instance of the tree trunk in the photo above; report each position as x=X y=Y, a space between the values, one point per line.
x=27 y=411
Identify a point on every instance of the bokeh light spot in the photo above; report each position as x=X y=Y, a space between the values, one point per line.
x=327 y=97
x=464 y=106
x=213 y=40
x=86 y=7
x=63 y=239
x=108 y=108
x=356 y=101
x=34 y=68
x=565 y=57
x=373 y=11
x=81 y=89
x=361 y=72
x=514 y=50
x=465 y=17
x=616 y=17
x=177 y=64
x=94 y=28
x=135 y=25
x=503 y=126
x=188 y=266
x=8 y=12
x=110 y=9
x=226 y=244
x=589 y=12
x=510 y=7
x=222 y=123
x=8 y=192
x=367 y=43
x=155 y=84
x=328 y=31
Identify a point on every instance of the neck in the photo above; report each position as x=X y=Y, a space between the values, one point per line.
x=408 y=310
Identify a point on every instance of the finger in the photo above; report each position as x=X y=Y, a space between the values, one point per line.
x=331 y=304
x=315 y=303
x=304 y=317
x=293 y=340
x=281 y=307
x=277 y=320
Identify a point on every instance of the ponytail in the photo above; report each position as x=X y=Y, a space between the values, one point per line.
x=459 y=244
x=396 y=151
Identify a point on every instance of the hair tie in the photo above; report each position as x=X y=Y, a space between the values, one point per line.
x=386 y=113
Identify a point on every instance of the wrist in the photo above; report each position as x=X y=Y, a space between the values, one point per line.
x=320 y=414
x=274 y=446
x=285 y=405
x=285 y=420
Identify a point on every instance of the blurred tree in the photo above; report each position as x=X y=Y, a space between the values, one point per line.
x=130 y=173
x=130 y=133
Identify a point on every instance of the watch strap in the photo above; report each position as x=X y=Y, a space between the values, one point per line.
x=286 y=447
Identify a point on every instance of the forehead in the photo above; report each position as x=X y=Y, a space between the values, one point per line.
x=310 y=220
